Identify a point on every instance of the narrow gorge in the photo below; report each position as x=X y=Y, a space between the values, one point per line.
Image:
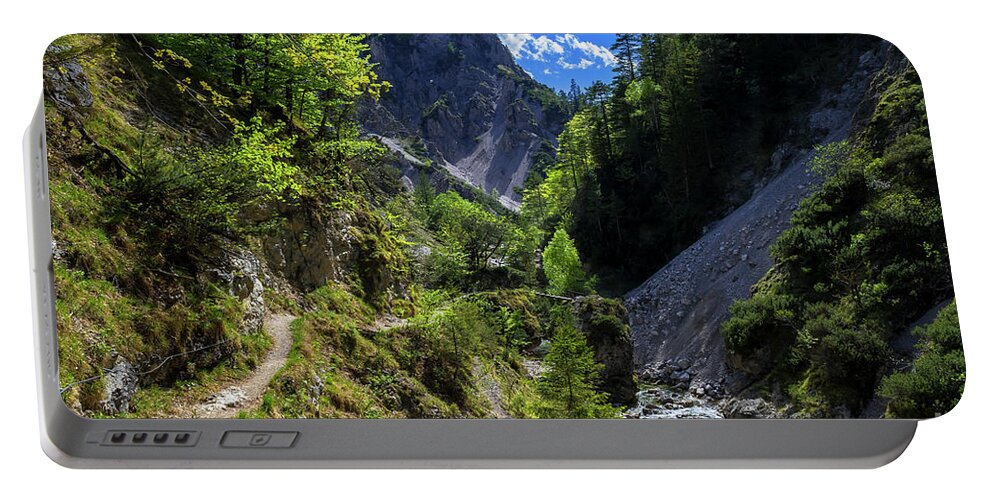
x=443 y=226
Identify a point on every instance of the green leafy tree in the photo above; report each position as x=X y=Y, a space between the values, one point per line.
x=562 y=267
x=522 y=251
x=480 y=234
x=261 y=150
x=446 y=266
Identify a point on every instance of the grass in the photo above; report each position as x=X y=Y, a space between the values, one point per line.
x=343 y=366
x=120 y=295
x=156 y=401
x=107 y=303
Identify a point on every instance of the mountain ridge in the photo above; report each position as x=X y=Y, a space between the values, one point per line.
x=461 y=103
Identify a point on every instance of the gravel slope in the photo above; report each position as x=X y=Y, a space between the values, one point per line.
x=676 y=314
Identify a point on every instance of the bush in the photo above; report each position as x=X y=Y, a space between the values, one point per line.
x=757 y=322
x=850 y=359
x=446 y=266
x=935 y=382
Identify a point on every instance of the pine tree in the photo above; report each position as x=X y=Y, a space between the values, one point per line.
x=575 y=95
x=423 y=195
x=567 y=388
x=625 y=48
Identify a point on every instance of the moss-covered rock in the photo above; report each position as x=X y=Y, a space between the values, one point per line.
x=605 y=324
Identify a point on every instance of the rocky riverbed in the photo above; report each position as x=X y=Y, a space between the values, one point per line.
x=665 y=403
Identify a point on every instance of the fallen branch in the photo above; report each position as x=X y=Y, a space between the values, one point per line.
x=556 y=297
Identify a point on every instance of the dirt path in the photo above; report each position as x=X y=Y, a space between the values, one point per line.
x=244 y=395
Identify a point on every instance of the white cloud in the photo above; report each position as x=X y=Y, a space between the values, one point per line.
x=560 y=48
x=515 y=42
x=530 y=46
x=582 y=64
x=544 y=45
x=590 y=49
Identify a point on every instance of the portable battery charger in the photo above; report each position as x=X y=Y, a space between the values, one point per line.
x=480 y=250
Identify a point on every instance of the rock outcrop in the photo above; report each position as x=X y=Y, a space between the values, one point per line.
x=466 y=104
x=604 y=321
x=676 y=314
x=66 y=84
x=120 y=384
x=311 y=248
x=241 y=273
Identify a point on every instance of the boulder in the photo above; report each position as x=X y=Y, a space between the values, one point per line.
x=748 y=408
x=119 y=386
x=241 y=273
x=66 y=84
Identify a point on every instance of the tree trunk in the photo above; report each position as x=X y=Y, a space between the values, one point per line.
x=238 y=73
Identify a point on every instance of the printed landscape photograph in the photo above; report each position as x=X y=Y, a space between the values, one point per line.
x=641 y=226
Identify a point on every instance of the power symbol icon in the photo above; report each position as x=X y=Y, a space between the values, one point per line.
x=259 y=439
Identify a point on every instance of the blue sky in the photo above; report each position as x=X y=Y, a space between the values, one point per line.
x=556 y=58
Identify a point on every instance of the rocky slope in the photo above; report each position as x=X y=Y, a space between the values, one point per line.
x=676 y=314
x=461 y=102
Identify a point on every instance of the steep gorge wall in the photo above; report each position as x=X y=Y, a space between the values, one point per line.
x=676 y=314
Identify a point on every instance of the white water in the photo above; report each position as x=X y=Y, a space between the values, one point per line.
x=663 y=403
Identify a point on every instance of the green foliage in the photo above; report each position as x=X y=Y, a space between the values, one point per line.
x=560 y=262
x=522 y=251
x=338 y=300
x=568 y=387
x=439 y=105
x=850 y=359
x=145 y=198
x=899 y=111
x=310 y=80
x=424 y=194
x=470 y=229
x=763 y=320
x=446 y=267
x=430 y=365
x=651 y=158
x=864 y=257
x=828 y=158
x=186 y=199
x=381 y=261
x=935 y=382
x=261 y=151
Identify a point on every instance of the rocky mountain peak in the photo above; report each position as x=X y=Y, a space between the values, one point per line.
x=461 y=103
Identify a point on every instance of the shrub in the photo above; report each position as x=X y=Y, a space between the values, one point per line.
x=935 y=382
x=757 y=322
x=850 y=359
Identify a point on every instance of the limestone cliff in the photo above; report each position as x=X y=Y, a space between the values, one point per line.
x=461 y=102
